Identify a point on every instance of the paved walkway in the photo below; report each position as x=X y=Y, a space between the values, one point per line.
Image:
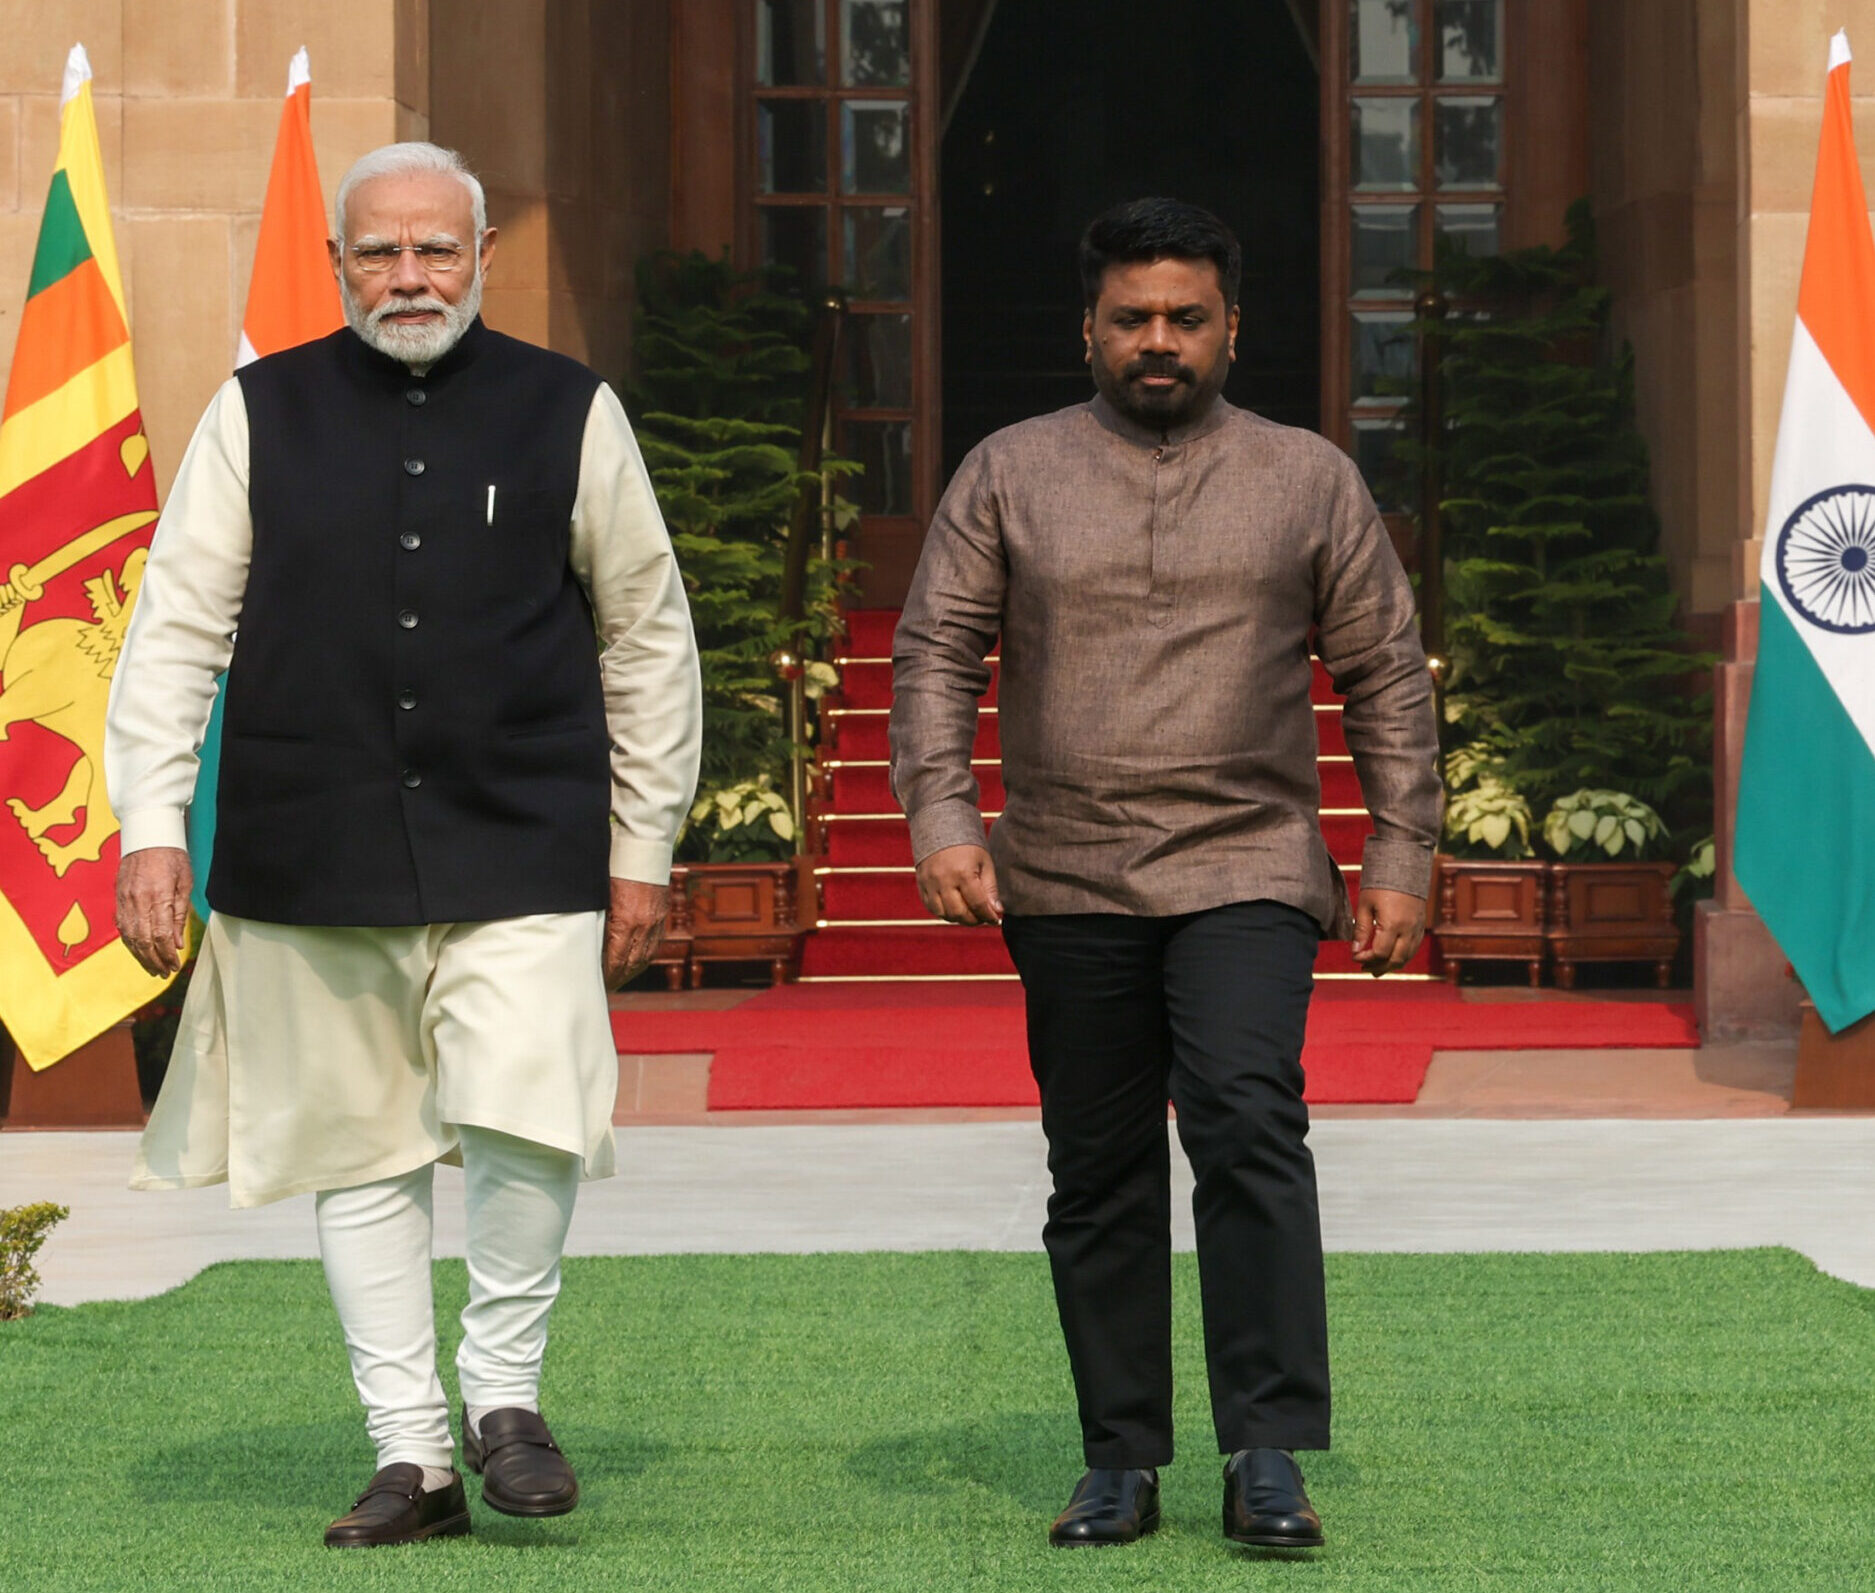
x=1512 y=1150
x=1396 y=1183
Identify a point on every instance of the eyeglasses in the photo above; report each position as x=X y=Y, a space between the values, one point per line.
x=436 y=258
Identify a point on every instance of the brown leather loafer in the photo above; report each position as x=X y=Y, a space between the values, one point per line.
x=523 y=1471
x=1265 y=1503
x=1109 y=1505
x=395 y=1509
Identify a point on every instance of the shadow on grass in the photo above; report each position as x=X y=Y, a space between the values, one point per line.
x=259 y=1466
x=256 y=1466
x=1032 y=1458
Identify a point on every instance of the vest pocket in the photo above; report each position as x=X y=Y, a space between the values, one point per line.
x=512 y=510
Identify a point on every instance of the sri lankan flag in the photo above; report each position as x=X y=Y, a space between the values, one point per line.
x=77 y=505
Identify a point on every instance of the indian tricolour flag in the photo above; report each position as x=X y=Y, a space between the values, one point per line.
x=1805 y=840
x=292 y=298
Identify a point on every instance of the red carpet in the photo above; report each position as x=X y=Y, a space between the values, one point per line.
x=804 y=1047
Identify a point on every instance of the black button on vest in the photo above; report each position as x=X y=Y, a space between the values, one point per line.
x=317 y=823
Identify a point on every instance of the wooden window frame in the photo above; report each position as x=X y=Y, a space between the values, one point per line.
x=1339 y=197
x=882 y=538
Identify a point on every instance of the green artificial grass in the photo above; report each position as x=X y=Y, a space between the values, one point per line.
x=905 y=1422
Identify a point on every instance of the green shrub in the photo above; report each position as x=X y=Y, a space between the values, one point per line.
x=717 y=407
x=23 y=1231
x=1568 y=664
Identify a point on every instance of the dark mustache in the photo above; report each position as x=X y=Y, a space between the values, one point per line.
x=1147 y=366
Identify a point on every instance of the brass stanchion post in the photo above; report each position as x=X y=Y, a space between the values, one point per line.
x=1431 y=308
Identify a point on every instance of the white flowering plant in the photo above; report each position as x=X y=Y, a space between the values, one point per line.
x=1488 y=820
x=1485 y=815
x=1598 y=826
x=747 y=822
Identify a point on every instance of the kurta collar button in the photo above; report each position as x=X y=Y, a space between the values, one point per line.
x=408 y=619
x=412 y=779
x=416 y=396
x=413 y=467
x=406 y=700
x=410 y=541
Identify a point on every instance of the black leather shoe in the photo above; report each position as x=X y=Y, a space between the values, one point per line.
x=1264 y=1501
x=523 y=1471
x=1110 y=1505
x=395 y=1509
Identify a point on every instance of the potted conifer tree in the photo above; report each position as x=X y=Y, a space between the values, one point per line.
x=1569 y=669
x=722 y=380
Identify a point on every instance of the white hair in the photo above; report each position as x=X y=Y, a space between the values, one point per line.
x=402 y=160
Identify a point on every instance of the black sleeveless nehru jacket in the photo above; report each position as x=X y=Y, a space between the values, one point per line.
x=414 y=731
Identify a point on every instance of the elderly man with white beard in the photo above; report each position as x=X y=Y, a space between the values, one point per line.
x=461 y=729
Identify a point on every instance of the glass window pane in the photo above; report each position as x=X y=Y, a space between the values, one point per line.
x=1385 y=356
x=875 y=146
x=876 y=362
x=1468 y=36
x=883 y=447
x=791 y=146
x=875 y=43
x=1467 y=141
x=878 y=252
x=795 y=236
x=1386 y=241
x=1374 y=444
x=1386 y=143
x=1468 y=229
x=790 y=42
x=1383 y=42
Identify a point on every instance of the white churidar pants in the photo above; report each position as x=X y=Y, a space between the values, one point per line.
x=375 y=1241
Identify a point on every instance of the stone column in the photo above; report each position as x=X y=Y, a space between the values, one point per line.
x=1742 y=984
x=563 y=109
x=188 y=97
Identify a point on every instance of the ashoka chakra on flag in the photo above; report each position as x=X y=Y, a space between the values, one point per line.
x=1826 y=559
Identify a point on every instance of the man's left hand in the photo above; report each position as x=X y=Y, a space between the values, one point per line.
x=634 y=929
x=1388 y=927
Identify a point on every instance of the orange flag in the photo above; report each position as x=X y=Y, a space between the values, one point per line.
x=291 y=298
x=77 y=502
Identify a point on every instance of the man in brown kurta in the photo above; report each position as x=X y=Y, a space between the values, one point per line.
x=1158 y=565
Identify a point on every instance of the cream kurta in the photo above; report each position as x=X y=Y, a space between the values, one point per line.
x=315 y=1058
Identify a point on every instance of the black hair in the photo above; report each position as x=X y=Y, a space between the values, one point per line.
x=1158 y=229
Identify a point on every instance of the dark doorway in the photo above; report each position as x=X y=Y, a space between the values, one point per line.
x=1073 y=107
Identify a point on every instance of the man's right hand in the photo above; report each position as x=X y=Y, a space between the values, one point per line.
x=958 y=884
x=153 y=889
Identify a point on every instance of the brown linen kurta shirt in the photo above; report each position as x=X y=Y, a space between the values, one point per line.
x=1155 y=593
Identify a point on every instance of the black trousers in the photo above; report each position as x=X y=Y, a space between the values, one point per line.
x=1206 y=1009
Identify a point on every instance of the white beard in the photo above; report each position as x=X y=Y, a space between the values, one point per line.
x=414 y=345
